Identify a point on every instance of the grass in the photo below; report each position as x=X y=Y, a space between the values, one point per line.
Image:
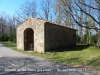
x=79 y=55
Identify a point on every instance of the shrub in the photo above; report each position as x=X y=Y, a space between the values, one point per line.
x=8 y=37
x=4 y=37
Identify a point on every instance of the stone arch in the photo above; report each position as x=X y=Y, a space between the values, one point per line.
x=28 y=39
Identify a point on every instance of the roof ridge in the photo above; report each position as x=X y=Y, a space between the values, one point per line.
x=46 y=21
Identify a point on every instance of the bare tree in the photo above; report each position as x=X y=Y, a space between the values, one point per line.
x=63 y=17
x=58 y=10
x=3 y=26
x=81 y=22
x=78 y=4
x=28 y=9
x=89 y=22
x=46 y=8
x=8 y=27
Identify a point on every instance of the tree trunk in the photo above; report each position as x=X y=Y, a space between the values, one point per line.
x=98 y=41
x=81 y=35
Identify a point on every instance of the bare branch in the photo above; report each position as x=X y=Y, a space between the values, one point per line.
x=89 y=5
x=27 y=9
x=88 y=14
x=96 y=29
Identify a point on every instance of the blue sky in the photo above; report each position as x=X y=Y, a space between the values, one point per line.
x=10 y=6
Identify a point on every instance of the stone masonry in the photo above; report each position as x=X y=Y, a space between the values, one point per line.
x=42 y=36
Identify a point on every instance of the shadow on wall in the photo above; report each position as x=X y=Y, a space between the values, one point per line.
x=74 y=48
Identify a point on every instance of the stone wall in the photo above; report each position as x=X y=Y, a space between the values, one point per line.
x=39 y=36
x=38 y=28
x=58 y=37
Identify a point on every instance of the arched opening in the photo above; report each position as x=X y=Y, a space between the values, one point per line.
x=29 y=39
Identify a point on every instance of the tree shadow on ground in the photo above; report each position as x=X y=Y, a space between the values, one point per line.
x=75 y=60
x=32 y=63
x=94 y=62
x=73 y=48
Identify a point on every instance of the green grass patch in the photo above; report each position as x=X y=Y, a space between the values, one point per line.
x=79 y=55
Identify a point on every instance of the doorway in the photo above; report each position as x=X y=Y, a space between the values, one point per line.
x=29 y=39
